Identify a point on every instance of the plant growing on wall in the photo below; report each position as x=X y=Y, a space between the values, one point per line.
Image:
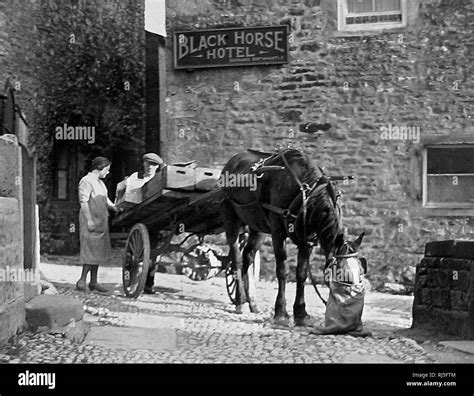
x=90 y=63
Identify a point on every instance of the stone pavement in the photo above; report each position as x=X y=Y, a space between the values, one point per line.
x=194 y=322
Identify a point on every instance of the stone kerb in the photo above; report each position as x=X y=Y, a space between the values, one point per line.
x=56 y=314
x=444 y=289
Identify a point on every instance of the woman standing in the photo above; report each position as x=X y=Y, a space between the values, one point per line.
x=94 y=223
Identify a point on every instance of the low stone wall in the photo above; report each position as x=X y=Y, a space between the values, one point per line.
x=444 y=289
x=12 y=303
x=12 y=295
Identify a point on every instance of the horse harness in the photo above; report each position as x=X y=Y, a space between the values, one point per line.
x=305 y=190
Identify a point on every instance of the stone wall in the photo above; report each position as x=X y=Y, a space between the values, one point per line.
x=444 y=289
x=420 y=75
x=17 y=42
x=12 y=299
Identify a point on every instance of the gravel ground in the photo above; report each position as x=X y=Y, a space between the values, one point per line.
x=205 y=329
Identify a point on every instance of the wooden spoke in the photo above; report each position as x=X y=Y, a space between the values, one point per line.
x=231 y=284
x=136 y=261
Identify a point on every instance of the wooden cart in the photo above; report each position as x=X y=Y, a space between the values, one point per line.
x=168 y=215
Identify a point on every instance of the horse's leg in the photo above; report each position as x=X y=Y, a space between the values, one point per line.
x=232 y=230
x=278 y=239
x=254 y=242
x=301 y=317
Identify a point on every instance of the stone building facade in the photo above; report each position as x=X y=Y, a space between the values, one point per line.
x=12 y=293
x=365 y=82
x=17 y=40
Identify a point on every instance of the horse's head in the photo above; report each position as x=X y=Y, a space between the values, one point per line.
x=346 y=266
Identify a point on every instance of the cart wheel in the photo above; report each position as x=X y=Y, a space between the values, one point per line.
x=200 y=263
x=231 y=283
x=231 y=276
x=136 y=261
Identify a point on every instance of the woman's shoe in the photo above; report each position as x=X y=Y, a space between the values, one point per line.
x=81 y=286
x=97 y=287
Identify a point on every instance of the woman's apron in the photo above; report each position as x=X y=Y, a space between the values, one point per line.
x=95 y=245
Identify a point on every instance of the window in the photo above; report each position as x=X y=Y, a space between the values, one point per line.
x=61 y=184
x=61 y=173
x=448 y=176
x=371 y=14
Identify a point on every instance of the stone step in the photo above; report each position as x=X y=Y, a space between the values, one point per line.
x=56 y=314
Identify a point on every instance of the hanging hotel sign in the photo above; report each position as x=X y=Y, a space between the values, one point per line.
x=231 y=47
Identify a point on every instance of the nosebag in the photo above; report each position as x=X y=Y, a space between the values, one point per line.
x=345 y=303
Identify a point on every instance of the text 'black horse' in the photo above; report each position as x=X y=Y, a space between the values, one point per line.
x=292 y=199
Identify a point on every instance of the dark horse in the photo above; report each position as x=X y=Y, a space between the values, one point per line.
x=292 y=198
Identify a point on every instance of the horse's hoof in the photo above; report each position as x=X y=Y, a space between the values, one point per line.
x=239 y=309
x=304 y=322
x=254 y=309
x=282 y=321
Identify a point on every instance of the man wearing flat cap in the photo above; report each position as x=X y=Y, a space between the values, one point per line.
x=152 y=163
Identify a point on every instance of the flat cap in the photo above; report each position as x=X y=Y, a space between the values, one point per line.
x=153 y=158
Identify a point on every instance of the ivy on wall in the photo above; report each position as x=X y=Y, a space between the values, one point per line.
x=90 y=63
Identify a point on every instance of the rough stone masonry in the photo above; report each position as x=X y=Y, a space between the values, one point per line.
x=444 y=290
x=12 y=299
x=418 y=77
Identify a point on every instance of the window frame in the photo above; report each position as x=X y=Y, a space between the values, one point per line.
x=453 y=207
x=343 y=13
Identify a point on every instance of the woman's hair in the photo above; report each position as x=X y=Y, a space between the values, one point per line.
x=99 y=163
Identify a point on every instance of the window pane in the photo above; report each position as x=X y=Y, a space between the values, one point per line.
x=364 y=6
x=445 y=189
x=61 y=157
x=359 y=6
x=387 y=5
x=61 y=184
x=450 y=160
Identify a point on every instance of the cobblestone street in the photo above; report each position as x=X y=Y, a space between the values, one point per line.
x=194 y=322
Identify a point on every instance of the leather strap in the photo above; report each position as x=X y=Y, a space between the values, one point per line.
x=280 y=211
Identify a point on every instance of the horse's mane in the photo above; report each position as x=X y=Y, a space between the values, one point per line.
x=323 y=218
x=310 y=172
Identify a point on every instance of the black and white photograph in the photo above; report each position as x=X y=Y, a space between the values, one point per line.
x=194 y=191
